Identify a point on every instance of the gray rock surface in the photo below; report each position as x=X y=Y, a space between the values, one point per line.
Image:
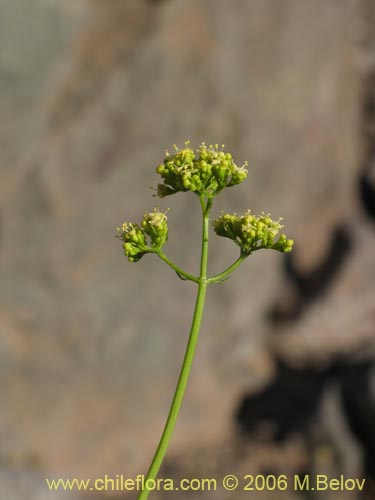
x=91 y=95
x=20 y=483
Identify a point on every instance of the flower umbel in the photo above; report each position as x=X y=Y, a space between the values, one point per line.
x=149 y=237
x=205 y=171
x=251 y=232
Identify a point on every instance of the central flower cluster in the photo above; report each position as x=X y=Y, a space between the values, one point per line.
x=251 y=232
x=205 y=171
x=149 y=237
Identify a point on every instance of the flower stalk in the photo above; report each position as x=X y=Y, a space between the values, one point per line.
x=205 y=172
x=187 y=362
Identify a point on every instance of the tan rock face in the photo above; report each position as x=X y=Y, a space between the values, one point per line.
x=90 y=345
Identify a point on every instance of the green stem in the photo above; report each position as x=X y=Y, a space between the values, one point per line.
x=188 y=359
x=225 y=274
x=178 y=270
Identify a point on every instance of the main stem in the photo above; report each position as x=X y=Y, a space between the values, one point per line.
x=188 y=358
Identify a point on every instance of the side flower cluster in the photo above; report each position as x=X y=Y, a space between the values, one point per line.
x=251 y=232
x=148 y=237
x=205 y=171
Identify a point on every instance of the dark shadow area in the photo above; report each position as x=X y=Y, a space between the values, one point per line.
x=291 y=403
x=311 y=285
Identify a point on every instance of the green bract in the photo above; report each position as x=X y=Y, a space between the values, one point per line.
x=205 y=171
x=149 y=237
x=251 y=232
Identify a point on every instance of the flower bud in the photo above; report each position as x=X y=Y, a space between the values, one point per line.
x=283 y=244
x=155 y=226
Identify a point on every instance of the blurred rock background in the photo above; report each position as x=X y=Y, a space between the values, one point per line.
x=91 y=94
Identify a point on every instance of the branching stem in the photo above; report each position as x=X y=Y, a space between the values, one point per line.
x=189 y=353
x=178 y=270
x=219 y=278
